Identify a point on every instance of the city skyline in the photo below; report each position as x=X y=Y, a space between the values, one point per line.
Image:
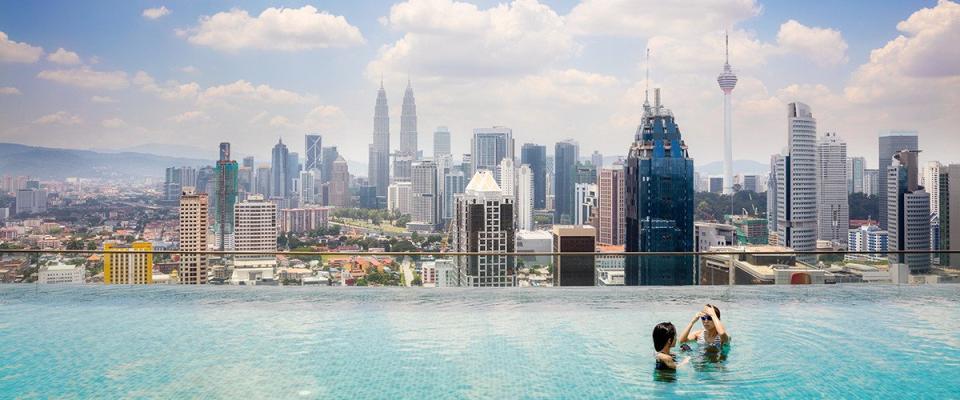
x=61 y=87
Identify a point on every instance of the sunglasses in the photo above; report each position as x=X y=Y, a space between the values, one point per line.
x=706 y=318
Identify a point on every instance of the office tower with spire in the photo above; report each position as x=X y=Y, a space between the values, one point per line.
x=535 y=156
x=908 y=212
x=484 y=224
x=658 y=186
x=890 y=143
x=833 y=209
x=488 y=147
x=441 y=142
x=314 y=147
x=408 y=123
x=796 y=178
x=379 y=160
x=279 y=184
x=727 y=81
x=225 y=198
x=194 y=223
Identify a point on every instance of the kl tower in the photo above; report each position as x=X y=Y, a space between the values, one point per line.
x=727 y=81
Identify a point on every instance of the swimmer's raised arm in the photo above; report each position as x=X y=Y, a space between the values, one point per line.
x=686 y=335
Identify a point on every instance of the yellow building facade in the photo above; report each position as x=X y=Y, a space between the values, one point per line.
x=124 y=266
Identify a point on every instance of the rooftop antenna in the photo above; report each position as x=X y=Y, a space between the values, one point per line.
x=726 y=47
x=381 y=80
x=646 y=90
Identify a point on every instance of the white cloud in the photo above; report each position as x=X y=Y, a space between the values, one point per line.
x=243 y=92
x=155 y=13
x=18 y=52
x=65 y=57
x=102 y=99
x=446 y=38
x=645 y=18
x=113 y=123
x=190 y=116
x=280 y=121
x=59 y=118
x=189 y=69
x=87 y=78
x=9 y=90
x=823 y=46
x=171 y=90
x=284 y=29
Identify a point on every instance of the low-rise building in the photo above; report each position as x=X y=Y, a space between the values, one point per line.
x=60 y=273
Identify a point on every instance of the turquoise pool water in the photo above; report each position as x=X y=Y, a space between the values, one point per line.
x=261 y=342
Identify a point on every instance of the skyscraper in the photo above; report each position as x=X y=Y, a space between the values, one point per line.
x=293 y=173
x=328 y=156
x=193 y=237
x=508 y=177
x=833 y=209
x=128 y=265
x=727 y=81
x=612 y=223
x=264 y=177
x=890 y=143
x=484 y=224
x=379 y=160
x=256 y=231
x=248 y=162
x=772 y=198
x=441 y=142
x=796 y=177
x=313 y=147
x=454 y=184
x=565 y=156
x=225 y=198
x=585 y=203
x=931 y=183
x=424 y=199
x=340 y=183
x=535 y=156
x=408 y=123
x=597 y=160
x=488 y=147
x=659 y=201
x=950 y=226
x=908 y=212
x=855 y=167
x=524 y=196
x=279 y=185
x=398 y=197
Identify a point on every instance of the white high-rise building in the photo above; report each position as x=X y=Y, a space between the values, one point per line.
x=796 y=180
x=524 y=198
x=194 y=224
x=508 y=177
x=484 y=224
x=931 y=183
x=424 y=197
x=398 y=197
x=256 y=230
x=727 y=81
x=833 y=210
x=585 y=203
x=307 y=183
x=908 y=212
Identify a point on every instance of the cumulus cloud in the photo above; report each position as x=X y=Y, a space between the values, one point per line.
x=64 y=57
x=9 y=90
x=87 y=78
x=113 y=123
x=242 y=91
x=171 y=90
x=189 y=116
x=645 y=18
x=18 y=52
x=823 y=46
x=155 y=13
x=189 y=69
x=451 y=38
x=283 y=29
x=59 y=118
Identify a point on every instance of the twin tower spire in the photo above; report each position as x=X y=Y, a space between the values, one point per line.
x=379 y=161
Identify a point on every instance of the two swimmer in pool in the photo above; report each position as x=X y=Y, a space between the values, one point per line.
x=711 y=338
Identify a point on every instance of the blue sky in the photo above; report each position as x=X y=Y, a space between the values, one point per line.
x=550 y=70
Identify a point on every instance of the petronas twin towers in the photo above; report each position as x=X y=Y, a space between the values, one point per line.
x=379 y=160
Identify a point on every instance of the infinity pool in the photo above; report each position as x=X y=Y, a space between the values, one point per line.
x=260 y=342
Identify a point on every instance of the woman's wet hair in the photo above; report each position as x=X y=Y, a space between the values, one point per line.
x=716 y=310
x=662 y=333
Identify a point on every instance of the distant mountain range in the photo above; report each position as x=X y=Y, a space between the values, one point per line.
x=52 y=163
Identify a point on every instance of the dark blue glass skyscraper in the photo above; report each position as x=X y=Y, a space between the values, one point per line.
x=659 y=201
x=535 y=156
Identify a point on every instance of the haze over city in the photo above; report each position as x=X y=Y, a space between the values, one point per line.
x=119 y=75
